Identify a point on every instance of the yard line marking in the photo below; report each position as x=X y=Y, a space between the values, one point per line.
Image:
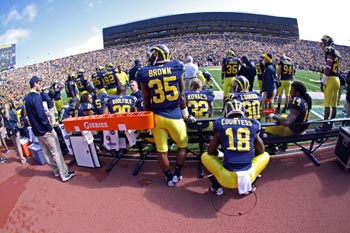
x=317 y=114
x=216 y=84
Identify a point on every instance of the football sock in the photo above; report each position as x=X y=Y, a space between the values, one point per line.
x=168 y=174
x=178 y=169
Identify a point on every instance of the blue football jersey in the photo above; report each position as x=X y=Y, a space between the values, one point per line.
x=199 y=103
x=163 y=83
x=99 y=103
x=120 y=104
x=139 y=105
x=251 y=101
x=300 y=104
x=237 y=141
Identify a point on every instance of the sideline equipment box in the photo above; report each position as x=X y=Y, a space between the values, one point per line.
x=342 y=149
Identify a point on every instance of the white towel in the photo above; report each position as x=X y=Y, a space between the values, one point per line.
x=87 y=136
x=130 y=134
x=66 y=136
x=243 y=181
x=111 y=139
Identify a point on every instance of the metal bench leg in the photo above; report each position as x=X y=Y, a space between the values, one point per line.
x=118 y=155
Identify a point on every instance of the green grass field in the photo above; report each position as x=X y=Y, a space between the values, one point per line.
x=310 y=79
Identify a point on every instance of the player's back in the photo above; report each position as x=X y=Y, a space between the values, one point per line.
x=237 y=139
x=163 y=83
x=199 y=103
x=120 y=104
x=251 y=100
x=231 y=66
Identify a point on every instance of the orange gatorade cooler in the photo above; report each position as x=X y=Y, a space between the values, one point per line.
x=119 y=121
x=25 y=143
x=268 y=107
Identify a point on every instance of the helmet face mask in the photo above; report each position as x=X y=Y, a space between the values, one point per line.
x=240 y=83
x=109 y=66
x=327 y=41
x=230 y=53
x=158 y=54
x=234 y=107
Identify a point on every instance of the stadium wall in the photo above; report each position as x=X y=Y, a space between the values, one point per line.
x=201 y=23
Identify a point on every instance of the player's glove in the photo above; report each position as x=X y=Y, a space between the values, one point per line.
x=191 y=119
x=270 y=116
x=187 y=116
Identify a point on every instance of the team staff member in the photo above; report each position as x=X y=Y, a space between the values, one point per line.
x=44 y=132
x=243 y=149
x=248 y=71
x=229 y=69
x=330 y=78
x=133 y=70
x=123 y=77
x=11 y=124
x=162 y=91
x=269 y=86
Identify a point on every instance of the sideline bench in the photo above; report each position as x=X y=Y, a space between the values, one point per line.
x=316 y=137
x=196 y=135
x=199 y=136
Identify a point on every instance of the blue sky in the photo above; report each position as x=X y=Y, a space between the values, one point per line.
x=50 y=29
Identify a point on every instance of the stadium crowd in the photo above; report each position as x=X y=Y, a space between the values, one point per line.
x=307 y=55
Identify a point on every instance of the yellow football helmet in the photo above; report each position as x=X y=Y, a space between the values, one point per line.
x=240 y=83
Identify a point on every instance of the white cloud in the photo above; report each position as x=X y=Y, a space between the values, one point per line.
x=94 y=43
x=96 y=30
x=92 y=3
x=13 y=15
x=29 y=13
x=13 y=36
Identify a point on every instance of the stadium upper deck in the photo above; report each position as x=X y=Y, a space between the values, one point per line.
x=201 y=23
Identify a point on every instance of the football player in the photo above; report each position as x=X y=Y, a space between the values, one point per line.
x=99 y=102
x=82 y=82
x=70 y=87
x=162 y=91
x=206 y=78
x=97 y=79
x=251 y=100
x=199 y=102
x=229 y=69
x=242 y=149
x=121 y=103
x=285 y=74
x=111 y=80
x=330 y=78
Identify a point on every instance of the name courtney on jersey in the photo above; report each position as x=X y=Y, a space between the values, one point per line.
x=88 y=125
x=236 y=122
x=159 y=71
